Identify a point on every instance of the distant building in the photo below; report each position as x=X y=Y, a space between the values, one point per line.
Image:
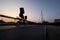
x=57 y=20
x=1 y=21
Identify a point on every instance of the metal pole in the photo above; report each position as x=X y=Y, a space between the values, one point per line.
x=41 y=16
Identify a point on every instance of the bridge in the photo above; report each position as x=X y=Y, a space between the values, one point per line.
x=9 y=17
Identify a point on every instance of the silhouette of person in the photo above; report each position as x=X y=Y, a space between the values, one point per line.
x=21 y=12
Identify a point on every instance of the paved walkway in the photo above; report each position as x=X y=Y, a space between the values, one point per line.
x=24 y=32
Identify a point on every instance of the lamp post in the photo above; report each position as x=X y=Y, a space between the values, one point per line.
x=41 y=16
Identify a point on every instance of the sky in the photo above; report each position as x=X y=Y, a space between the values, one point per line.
x=50 y=9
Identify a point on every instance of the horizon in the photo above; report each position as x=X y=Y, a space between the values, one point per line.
x=50 y=9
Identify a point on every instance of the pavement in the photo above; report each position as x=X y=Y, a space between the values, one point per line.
x=30 y=32
x=24 y=32
x=53 y=32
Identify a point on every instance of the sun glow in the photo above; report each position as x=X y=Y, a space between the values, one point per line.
x=9 y=20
